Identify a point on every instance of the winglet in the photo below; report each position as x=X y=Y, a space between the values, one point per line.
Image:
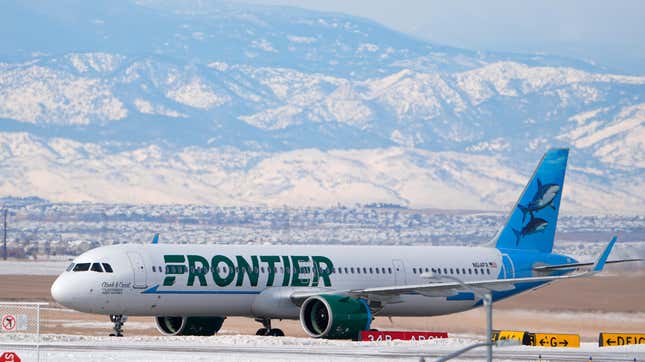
x=155 y=239
x=600 y=264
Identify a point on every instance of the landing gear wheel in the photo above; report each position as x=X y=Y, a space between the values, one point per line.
x=266 y=329
x=118 y=321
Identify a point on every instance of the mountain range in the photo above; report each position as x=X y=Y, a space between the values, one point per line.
x=224 y=103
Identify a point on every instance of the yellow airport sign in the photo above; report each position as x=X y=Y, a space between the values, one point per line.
x=620 y=339
x=508 y=335
x=553 y=340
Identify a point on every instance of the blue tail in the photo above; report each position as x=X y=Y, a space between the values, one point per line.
x=518 y=236
x=524 y=210
x=541 y=201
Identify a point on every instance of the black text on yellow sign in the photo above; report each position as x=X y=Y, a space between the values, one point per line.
x=552 y=340
x=508 y=335
x=620 y=339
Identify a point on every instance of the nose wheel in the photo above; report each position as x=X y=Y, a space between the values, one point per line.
x=118 y=321
x=266 y=329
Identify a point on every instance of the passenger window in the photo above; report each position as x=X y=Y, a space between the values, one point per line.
x=427 y=270
x=108 y=268
x=476 y=271
x=358 y=270
x=351 y=270
x=470 y=271
x=70 y=267
x=154 y=269
x=377 y=271
x=340 y=270
x=434 y=270
x=482 y=271
x=445 y=270
x=463 y=271
x=383 y=270
x=414 y=270
x=488 y=271
x=82 y=267
x=371 y=271
x=457 y=270
x=452 y=271
x=389 y=270
x=96 y=267
x=364 y=270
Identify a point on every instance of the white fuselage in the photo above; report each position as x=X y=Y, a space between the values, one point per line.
x=140 y=283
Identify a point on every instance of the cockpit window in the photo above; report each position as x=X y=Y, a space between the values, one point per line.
x=70 y=267
x=107 y=267
x=96 y=267
x=82 y=267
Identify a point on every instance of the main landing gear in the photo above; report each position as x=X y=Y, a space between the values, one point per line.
x=267 y=330
x=118 y=321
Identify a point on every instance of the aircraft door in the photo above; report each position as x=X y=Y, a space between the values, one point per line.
x=399 y=272
x=509 y=268
x=139 y=268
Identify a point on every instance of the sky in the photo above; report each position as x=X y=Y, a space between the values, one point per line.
x=610 y=33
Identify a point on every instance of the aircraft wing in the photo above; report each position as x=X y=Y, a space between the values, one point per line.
x=446 y=289
x=450 y=288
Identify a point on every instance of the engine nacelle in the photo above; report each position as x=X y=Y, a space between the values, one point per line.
x=189 y=326
x=335 y=316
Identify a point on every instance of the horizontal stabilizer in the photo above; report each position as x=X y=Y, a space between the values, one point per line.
x=543 y=268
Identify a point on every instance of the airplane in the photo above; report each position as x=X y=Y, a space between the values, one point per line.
x=335 y=290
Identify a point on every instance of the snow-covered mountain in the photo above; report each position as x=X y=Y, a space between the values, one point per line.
x=213 y=102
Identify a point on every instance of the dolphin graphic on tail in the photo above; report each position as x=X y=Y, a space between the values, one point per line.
x=544 y=197
x=540 y=200
x=536 y=225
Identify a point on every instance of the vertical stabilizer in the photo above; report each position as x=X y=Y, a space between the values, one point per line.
x=532 y=221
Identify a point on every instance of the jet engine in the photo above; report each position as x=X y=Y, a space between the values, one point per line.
x=189 y=326
x=335 y=316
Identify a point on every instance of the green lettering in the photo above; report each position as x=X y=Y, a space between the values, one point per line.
x=169 y=281
x=230 y=270
x=322 y=269
x=296 y=281
x=197 y=271
x=173 y=268
x=287 y=271
x=245 y=268
x=173 y=259
x=271 y=261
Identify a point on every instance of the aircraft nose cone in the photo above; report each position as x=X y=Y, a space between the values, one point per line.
x=61 y=292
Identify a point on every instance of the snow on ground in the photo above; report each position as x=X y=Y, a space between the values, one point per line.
x=240 y=347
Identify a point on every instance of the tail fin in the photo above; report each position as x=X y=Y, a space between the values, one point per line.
x=540 y=198
x=518 y=236
x=524 y=210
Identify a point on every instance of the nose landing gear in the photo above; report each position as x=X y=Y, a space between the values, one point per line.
x=118 y=321
x=267 y=330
